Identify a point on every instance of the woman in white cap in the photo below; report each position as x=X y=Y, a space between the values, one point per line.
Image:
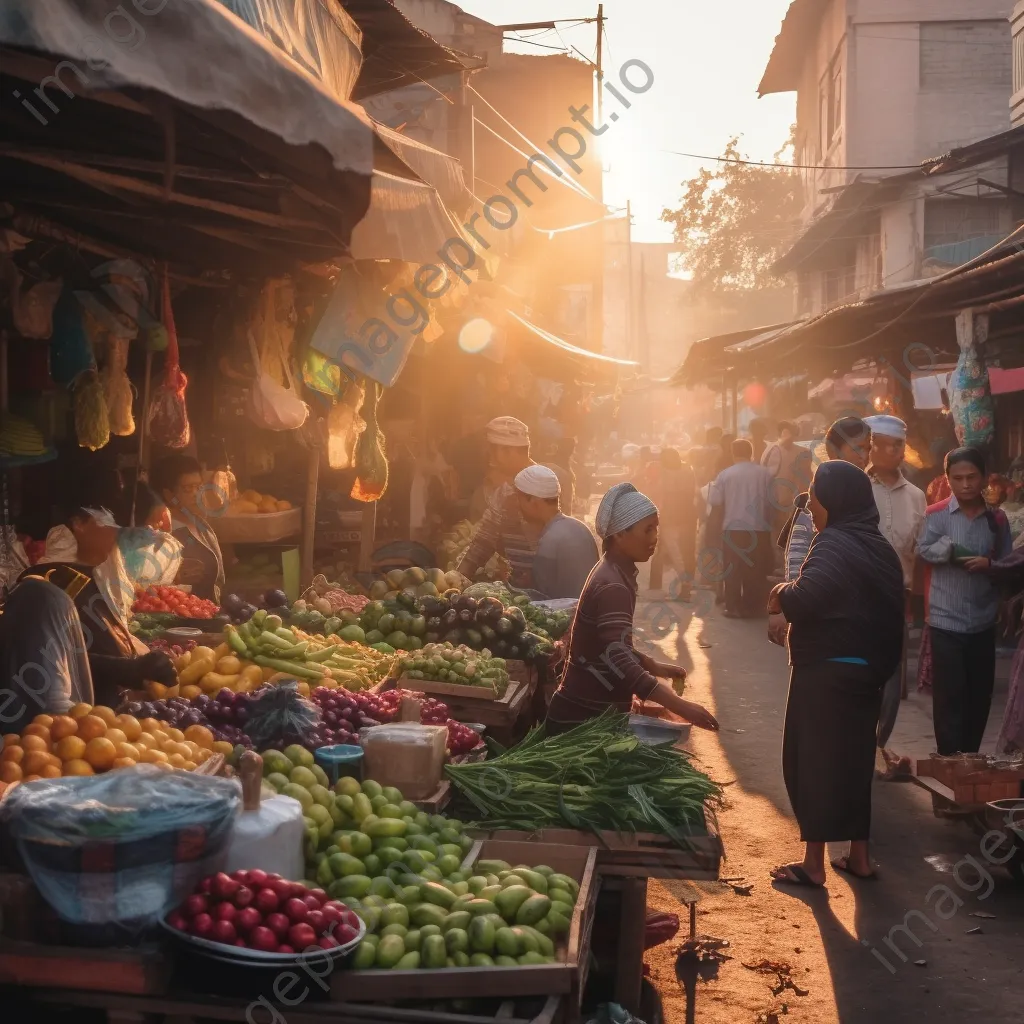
x=602 y=668
x=566 y=551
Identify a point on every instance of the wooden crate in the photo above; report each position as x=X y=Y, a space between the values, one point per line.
x=190 y=1008
x=502 y=713
x=132 y=971
x=432 y=686
x=568 y=977
x=644 y=855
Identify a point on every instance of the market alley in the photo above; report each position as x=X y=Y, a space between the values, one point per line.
x=968 y=967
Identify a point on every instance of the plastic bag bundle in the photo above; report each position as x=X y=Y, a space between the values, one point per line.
x=112 y=853
x=370 y=460
x=280 y=715
x=92 y=420
x=168 y=413
x=118 y=388
x=344 y=427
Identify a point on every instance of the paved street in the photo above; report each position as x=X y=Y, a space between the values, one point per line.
x=972 y=968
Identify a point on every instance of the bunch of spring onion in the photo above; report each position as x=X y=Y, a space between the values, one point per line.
x=597 y=777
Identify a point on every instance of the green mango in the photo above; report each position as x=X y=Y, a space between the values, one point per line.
x=389 y=951
x=459 y=919
x=395 y=913
x=433 y=953
x=409 y=962
x=365 y=956
x=456 y=941
x=481 y=935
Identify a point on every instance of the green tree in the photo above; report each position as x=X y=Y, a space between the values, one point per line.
x=735 y=221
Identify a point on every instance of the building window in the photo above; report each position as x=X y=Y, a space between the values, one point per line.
x=957 y=55
x=1018 y=57
x=956 y=230
x=830 y=106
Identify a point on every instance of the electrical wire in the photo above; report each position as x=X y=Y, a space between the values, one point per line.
x=796 y=167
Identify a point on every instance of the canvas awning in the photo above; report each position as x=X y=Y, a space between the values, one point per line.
x=406 y=221
x=569 y=348
x=194 y=51
x=439 y=169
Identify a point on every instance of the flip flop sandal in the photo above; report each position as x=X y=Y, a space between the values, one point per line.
x=796 y=876
x=842 y=864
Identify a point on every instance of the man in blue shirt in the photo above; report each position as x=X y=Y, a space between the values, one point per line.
x=961 y=536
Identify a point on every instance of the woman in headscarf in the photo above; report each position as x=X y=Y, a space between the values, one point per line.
x=844 y=614
x=602 y=669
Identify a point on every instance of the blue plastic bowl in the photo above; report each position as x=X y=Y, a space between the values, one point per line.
x=340 y=760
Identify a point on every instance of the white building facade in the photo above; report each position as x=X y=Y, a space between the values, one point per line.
x=883 y=86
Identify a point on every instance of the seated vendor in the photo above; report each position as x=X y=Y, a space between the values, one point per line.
x=566 y=549
x=79 y=561
x=179 y=480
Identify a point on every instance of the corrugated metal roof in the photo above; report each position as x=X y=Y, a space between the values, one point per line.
x=791 y=46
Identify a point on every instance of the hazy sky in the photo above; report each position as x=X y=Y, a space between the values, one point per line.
x=707 y=59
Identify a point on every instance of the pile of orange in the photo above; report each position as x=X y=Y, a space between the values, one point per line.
x=88 y=740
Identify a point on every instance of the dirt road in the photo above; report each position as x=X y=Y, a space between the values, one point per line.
x=846 y=964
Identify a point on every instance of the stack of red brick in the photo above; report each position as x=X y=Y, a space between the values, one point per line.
x=973 y=779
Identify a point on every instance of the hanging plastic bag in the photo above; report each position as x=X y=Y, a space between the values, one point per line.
x=320 y=374
x=371 y=462
x=168 y=413
x=118 y=388
x=970 y=397
x=344 y=427
x=32 y=308
x=92 y=420
x=271 y=405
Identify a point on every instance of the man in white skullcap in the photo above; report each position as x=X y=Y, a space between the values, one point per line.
x=501 y=528
x=566 y=549
x=901 y=508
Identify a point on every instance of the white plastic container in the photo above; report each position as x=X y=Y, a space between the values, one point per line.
x=268 y=834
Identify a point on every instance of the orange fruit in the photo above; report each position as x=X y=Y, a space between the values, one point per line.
x=128 y=750
x=183 y=749
x=100 y=752
x=78 y=767
x=116 y=736
x=35 y=730
x=70 y=748
x=12 y=739
x=107 y=714
x=189 y=766
x=46 y=720
x=90 y=727
x=14 y=755
x=165 y=765
x=176 y=761
x=150 y=725
x=124 y=762
x=145 y=741
x=35 y=761
x=34 y=743
x=129 y=725
x=80 y=710
x=10 y=771
x=31 y=778
x=63 y=725
x=176 y=734
x=222 y=747
x=156 y=690
x=199 y=734
x=190 y=691
x=52 y=771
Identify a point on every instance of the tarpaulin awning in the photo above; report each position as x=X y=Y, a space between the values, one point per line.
x=571 y=349
x=196 y=52
x=317 y=34
x=439 y=169
x=395 y=52
x=710 y=357
x=406 y=221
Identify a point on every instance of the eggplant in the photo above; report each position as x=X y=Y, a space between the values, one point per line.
x=455 y=636
x=468 y=604
x=466 y=614
x=430 y=606
x=500 y=648
x=504 y=627
x=491 y=608
x=474 y=639
x=488 y=634
x=450 y=619
x=431 y=638
x=434 y=624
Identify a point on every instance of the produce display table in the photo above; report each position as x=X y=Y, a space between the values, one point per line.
x=183 y=1007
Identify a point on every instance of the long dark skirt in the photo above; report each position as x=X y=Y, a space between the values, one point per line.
x=828 y=749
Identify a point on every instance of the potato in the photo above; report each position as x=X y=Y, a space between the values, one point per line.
x=229 y=665
x=204 y=652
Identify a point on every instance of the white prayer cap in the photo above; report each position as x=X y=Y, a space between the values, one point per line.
x=887 y=426
x=508 y=431
x=630 y=451
x=539 y=482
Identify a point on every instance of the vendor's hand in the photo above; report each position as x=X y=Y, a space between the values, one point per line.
x=777 y=627
x=671 y=672
x=977 y=564
x=157 y=667
x=699 y=716
x=774 y=605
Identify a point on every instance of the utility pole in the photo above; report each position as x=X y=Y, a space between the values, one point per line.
x=630 y=343
x=600 y=65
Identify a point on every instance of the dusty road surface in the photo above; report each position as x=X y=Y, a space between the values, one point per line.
x=837 y=947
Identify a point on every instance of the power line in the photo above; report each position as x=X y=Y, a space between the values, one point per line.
x=797 y=167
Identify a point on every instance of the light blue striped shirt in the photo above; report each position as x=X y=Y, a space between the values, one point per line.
x=960 y=601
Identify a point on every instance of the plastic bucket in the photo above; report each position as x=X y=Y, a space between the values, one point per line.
x=340 y=760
